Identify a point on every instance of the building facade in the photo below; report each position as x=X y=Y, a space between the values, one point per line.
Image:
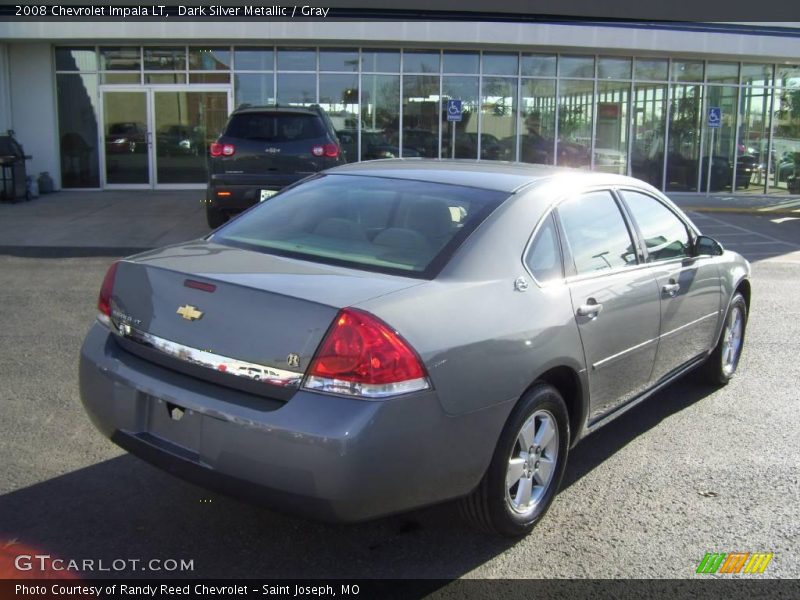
x=135 y=105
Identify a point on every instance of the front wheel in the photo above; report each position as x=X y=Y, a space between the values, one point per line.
x=526 y=468
x=721 y=365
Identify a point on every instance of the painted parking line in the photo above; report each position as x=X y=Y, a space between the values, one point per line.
x=749 y=231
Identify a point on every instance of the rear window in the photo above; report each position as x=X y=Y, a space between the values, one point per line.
x=379 y=224
x=275 y=127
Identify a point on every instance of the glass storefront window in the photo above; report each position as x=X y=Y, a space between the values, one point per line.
x=297 y=88
x=254 y=89
x=380 y=61
x=650 y=69
x=420 y=61
x=575 y=123
x=500 y=64
x=756 y=74
x=538 y=111
x=297 y=59
x=76 y=59
x=498 y=113
x=649 y=115
x=461 y=62
x=216 y=78
x=611 y=131
x=120 y=78
x=126 y=58
x=380 y=116
x=77 y=130
x=722 y=73
x=165 y=59
x=684 y=138
x=687 y=70
x=466 y=130
x=209 y=59
x=338 y=60
x=614 y=68
x=786 y=128
x=164 y=78
x=576 y=66
x=253 y=59
x=338 y=96
x=753 y=147
x=723 y=153
x=421 y=116
x=539 y=65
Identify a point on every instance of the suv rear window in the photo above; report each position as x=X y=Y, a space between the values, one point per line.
x=373 y=223
x=275 y=127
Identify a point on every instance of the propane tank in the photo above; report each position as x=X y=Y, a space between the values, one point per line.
x=45 y=183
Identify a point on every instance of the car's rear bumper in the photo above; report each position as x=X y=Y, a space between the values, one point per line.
x=321 y=456
x=234 y=193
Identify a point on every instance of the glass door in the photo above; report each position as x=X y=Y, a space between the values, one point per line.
x=125 y=138
x=159 y=137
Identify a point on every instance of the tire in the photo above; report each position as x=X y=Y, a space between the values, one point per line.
x=497 y=507
x=215 y=218
x=721 y=365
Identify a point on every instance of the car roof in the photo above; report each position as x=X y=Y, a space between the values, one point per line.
x=302 y=110
x=491 y=175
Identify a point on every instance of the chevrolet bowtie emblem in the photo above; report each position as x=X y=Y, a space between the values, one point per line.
x=190 y=313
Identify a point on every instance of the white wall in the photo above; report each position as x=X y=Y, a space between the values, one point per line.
x=5 y=96
x=33 y=106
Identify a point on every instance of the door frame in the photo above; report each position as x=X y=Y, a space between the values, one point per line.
x=152 y=159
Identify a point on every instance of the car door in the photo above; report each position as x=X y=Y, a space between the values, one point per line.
x=689 y=286
x=614 y=299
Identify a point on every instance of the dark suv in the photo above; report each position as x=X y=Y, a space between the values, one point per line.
x=262 y=150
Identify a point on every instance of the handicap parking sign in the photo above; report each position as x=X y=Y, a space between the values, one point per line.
x=453 y=110
x=714 y=116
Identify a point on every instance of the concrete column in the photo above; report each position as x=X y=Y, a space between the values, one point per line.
x=33 y=106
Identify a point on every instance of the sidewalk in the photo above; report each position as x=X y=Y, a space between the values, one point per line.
x=117 y=223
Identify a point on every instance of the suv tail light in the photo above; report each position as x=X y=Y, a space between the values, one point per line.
x=362 y=356
x=329 y=150
x=217 y=149
x=104 y=300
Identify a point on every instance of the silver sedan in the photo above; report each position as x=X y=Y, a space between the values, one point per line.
x=392 y=334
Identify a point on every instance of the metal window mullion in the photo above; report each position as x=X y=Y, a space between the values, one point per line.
x=595 y=101
x=358 y=121
x=557 y=112
x=630 y=113
x=316 y=74
x=518 y=116
x=402 y=96
x=703 y=109
x=439 y=117
x=275 y=75
x=480 y=102
x=773 y=93
x=737 y=124
x=667 y=122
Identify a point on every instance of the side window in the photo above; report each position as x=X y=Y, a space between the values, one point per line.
x=544 y=255
x=596 y=233
x=664 y=234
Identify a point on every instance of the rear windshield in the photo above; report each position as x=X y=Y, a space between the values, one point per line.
x=275 y=127
x=380 y=224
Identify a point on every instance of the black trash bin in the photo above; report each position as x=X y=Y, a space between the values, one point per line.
x=13 y=180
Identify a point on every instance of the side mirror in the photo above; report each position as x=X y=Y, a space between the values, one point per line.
x=707 y=246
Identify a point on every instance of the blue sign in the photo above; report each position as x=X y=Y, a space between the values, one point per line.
x=714 y=117
x=454 y=110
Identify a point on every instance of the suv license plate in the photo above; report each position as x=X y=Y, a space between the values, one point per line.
x=266 y=194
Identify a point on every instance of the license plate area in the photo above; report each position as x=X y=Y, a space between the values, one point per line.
x=175 y=424
x=267 y=194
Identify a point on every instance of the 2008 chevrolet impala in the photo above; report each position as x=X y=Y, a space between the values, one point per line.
x=392 y=334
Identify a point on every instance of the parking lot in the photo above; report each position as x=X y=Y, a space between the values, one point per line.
x=693 y=470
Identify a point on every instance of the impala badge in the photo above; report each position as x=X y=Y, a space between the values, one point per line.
x=272 y=150
x=190 y=313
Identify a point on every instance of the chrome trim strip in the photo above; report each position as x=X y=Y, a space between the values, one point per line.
x=689 y=324
x=209 y=360
x=600 y=363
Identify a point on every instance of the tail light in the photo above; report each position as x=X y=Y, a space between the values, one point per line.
x=362 y=356
x=329 y=150
x=217 y=149
x=104 y=300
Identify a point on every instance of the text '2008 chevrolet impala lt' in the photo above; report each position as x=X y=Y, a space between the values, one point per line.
x=392 y=334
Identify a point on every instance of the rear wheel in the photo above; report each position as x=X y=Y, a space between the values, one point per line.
x=215 y=217
x=526 y=468
x=721 y=365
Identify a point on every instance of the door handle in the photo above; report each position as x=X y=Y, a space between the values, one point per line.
x=591 y=308
x=671 y=288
